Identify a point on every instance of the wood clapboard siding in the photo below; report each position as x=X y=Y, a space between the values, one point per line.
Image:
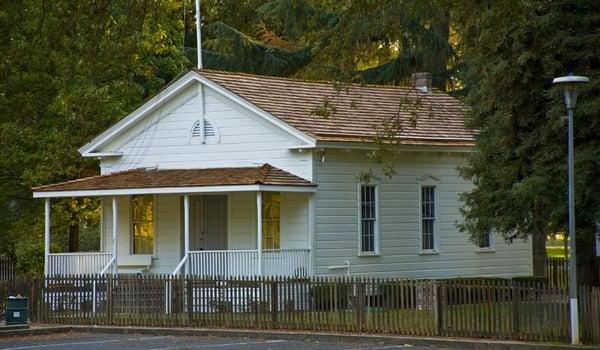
x=163 y=139
x=336 y=221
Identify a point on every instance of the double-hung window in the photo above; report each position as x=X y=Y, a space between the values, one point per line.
x=142 y=224
x=485 y=242
x=271 y=220
x=428 y=218
x=368 y=219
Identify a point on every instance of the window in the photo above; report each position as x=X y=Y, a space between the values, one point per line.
x=142 y=220
x=486 y=241
x=271 y=220
x=368 y=219
x=428 y=218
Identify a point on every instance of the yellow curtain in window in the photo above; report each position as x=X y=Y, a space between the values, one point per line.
x=271 y=220
x=142 y=218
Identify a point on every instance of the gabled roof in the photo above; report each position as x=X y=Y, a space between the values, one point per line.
x=170 y=91
x=289 y=105
x=178 y=178
x=359 y=109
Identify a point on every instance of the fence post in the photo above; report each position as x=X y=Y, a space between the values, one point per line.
x=189 y=289
x=440 y=300
x=33 y=301
x=94 y=295
x=274 y=303
x=360 y=304
x=168 y=299
x=516 y=300
x=109 y=298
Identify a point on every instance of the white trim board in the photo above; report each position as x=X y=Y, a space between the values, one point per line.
x=175 y=190
x=89 y=150
x=372 y=146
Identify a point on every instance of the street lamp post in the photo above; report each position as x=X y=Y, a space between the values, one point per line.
x=570 y=84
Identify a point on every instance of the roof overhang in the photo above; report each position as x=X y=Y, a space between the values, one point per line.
x=176 y=190
x=155 y=181
x=444 y=147
x=91 y=149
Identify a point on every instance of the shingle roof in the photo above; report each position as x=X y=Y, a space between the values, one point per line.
x=154 y=178
x=359 y=109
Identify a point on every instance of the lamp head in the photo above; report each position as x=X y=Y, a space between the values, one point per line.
x=570 y=85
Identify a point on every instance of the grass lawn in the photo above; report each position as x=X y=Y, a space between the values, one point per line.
x=555 y=252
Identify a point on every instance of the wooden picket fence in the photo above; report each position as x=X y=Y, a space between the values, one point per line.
x=475 y=308
x=557 y=272
x=7 y=268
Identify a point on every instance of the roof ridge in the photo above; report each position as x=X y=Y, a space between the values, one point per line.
x=314 y=81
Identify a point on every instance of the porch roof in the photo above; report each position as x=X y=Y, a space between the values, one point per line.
x=151 y=181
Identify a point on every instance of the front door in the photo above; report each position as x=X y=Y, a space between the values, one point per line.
x=208 y=222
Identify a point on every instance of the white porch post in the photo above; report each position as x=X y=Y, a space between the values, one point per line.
x=259 y=230
x=46 y=236
x=311 y=232
x=186 y=230
x=115 y=222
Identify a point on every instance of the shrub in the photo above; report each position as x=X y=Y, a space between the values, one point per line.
x=534 y=279
x=30 y=259
x=322 y=296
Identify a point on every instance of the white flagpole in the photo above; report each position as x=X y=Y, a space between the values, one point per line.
x=198 y=35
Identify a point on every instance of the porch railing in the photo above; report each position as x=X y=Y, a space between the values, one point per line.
x=244 y=263
x=286 y=262
x=223 y=263
x=68 y=264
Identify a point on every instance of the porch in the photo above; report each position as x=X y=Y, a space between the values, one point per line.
x=224 y=230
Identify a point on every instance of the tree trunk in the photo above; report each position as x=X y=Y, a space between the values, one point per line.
x=587 y=273
x=74 y=236
x=539 y=254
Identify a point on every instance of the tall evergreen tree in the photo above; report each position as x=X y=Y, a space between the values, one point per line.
x=68 y=70
x=513 y=51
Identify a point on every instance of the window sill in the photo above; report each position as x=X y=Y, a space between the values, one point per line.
x=367 y=254
x=485 y=250
x=429 y=252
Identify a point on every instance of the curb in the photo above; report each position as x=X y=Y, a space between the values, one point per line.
x=13 y=327
x=26 y=331
x=452 y=343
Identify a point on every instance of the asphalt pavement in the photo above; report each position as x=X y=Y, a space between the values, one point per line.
x=95 y=341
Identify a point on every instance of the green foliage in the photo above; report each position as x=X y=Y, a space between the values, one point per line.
x=70 y=69
x=519 y=168
x=531 y=279
x=324 y=296
x=30 y=258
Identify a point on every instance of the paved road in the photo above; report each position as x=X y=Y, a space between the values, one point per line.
x=70 y=341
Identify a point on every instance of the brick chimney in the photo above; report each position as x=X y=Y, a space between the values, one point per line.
x=421 y=81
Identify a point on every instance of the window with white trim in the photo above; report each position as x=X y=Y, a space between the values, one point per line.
x=485 y=241
x=142 y=224
x=271 y=220
x=428 y=218
x=368 y=218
